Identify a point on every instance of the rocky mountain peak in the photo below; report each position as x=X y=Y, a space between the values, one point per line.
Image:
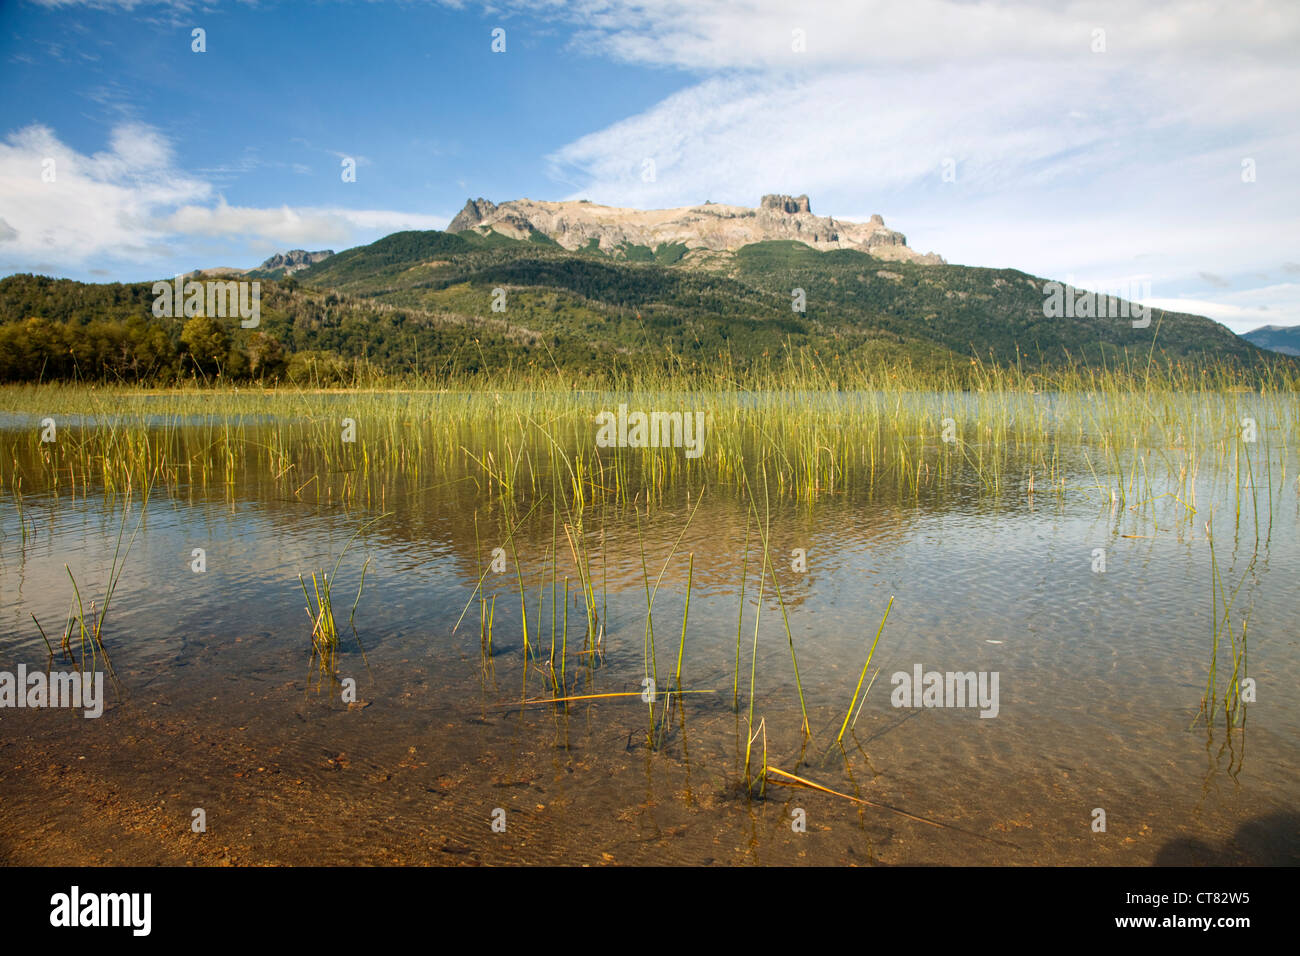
x=294 y=260
x=475 y=211
x=791 y=205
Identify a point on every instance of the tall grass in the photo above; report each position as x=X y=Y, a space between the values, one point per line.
x=86 y=625
x=817 y=435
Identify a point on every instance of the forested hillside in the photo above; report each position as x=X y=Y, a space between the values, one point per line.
x=436 y=302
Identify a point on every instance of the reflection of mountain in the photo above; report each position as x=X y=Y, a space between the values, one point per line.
x=443 y=522
x=436 y=529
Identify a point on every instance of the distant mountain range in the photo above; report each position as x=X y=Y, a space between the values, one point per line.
x=1276 y=338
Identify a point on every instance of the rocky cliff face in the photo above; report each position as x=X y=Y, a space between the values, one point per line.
x=475 y=212
x=790 y=205
x=294 y=259
x=711 y=226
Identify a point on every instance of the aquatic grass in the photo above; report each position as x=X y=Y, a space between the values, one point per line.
x=753 y=669
x=866 y=694
x=865 y=667
x=651 y=657
x=790 y=779
x=607 y=696
x=767 y=569
x=320 y=611
x=755 y=734
x=686 y=610
x=1229 y=700
x=740 y=618
x=324 y=629
x=1127 y=437
x=89 y=627
x=22 y=515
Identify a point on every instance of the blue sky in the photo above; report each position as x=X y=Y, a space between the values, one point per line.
x=1105 y=158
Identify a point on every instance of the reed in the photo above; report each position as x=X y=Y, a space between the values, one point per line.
x=759 y=732
x=325 y=643
x=1135 y=437
x=740 y=618
x=324 y=629
x=768 y=569
x=686 y=610
x=863 y=676
x=1227 y=699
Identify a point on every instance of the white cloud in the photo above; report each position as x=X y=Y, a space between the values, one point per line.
x=93 y=203
x=130 y=204
x=286 y=225
x=1268 y=305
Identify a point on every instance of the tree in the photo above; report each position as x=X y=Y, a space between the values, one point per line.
x=207 y=342
x=265 y=356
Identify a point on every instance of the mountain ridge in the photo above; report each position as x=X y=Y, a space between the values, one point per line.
x=1284 y=339
x=706 y=228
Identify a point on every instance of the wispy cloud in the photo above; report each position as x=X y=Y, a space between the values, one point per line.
x=713 y=35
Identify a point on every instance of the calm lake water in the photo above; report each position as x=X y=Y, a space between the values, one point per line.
x=1100 y=675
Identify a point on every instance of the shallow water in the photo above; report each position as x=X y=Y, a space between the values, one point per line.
x=1100 y=676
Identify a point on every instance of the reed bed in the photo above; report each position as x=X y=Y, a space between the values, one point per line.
x=1138 y=440
x=1147 y=441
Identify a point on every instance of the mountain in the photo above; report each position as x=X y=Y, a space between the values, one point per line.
x=691 y=233
x=277 y=267
x=587 y=308
x=287 y=263
x=217 y=272
x=1276 y=338
x=479 y=301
